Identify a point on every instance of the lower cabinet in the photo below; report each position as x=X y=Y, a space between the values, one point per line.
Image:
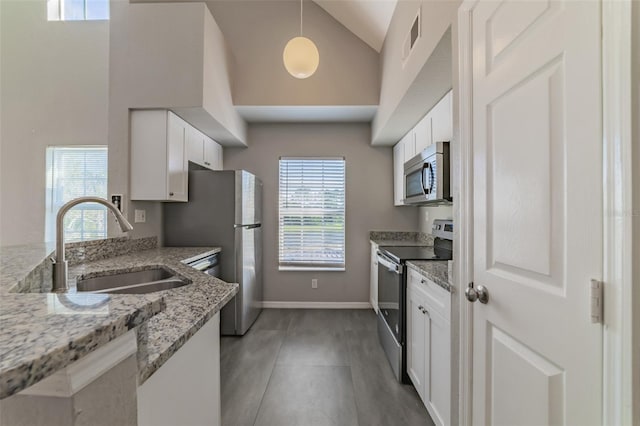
x=186 y=389
x=373 y=284
x=429 y=345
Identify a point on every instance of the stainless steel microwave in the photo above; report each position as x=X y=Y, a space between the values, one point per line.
x=427 y=178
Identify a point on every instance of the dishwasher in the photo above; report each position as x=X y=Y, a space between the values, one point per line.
x=209 y=264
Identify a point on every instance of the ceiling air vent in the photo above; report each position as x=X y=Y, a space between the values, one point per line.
x=412 y=37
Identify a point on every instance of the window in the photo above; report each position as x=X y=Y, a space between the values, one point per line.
x=312 y=219
x=74 y=172
x=77 y=10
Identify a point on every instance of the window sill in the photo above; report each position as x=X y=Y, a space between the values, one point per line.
x=311 y=268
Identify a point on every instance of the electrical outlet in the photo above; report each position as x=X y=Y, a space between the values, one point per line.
x=314 y=283
x=140 y=216
x=117 y=200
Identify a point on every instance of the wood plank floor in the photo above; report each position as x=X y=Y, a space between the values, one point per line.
x=313 y=368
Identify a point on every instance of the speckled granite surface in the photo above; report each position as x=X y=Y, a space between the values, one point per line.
x=89 y=251
x=42 y=333
x=23 y=269
x=188 y=308
x=401 y=238
x=437 y=271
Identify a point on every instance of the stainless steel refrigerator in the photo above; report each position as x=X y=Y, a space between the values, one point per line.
x=225 y=210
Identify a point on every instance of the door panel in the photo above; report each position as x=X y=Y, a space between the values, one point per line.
x=537 y=159
x=516 y=370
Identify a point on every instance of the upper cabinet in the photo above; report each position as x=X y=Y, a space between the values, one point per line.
x=159 y=165
x=423 y=133
x=398 y=174
x=442 y=119
x=203 y=150
x=162 y=144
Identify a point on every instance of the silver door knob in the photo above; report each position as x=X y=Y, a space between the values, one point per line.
x=476 y=293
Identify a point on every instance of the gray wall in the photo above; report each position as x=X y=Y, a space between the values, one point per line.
x=54 y=78
x=369 y=206
x=257 y=32
x=635 y=24
x=397 y=78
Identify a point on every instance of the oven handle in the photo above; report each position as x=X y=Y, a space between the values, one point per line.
x=391 y=266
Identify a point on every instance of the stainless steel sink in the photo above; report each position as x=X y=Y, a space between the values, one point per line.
x=139 y=282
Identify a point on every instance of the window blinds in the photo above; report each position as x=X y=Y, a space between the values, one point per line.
x=74 y=172
x=312 y=212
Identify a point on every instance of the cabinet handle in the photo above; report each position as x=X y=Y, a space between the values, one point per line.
x=208 y=164
x=171 y=194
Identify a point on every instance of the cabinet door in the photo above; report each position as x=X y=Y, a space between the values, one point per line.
x=442 y=119
x=417 y=341
x=409 y=143
x=212 y=154
x=398 y=174
x=177 y=168
x=195 y=146
x=423 y=133
x=438 y=367
x=373 y=284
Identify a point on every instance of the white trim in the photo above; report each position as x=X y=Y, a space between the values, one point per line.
x=463 y=235
x=617 y=226
x=73 y=378
x=316 y=305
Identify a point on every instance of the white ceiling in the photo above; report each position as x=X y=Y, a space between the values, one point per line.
x=368 y=19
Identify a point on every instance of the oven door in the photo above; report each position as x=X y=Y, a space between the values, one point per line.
x=390 y=294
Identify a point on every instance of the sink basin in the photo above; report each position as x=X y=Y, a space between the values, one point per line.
x=139 y=282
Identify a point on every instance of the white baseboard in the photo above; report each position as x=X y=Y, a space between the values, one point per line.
x=316 y=305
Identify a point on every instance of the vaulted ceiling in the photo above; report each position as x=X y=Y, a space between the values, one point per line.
x=368 y=19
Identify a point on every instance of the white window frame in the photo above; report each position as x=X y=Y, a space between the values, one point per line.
x=55 y=12
x=51 y=210
x=311 y=266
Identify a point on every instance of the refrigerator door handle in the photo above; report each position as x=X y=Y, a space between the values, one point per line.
x=255 y=225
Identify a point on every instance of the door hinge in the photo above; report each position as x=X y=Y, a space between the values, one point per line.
x=597 y=302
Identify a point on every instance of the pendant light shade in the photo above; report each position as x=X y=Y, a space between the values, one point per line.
x=300 y=56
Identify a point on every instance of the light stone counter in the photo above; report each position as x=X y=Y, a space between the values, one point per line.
x=41 y=333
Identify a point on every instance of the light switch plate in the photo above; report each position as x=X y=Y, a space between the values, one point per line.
x=140 y=216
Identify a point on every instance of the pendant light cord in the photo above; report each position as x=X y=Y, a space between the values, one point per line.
x=301 y=18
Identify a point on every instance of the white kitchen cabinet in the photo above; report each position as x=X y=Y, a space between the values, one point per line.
x=409 y=144
x=186 y=389
x=212 y=154
x=373 y=284
x=429 y=345
x=159 y=168
x=398 y=174
x=203 y=150
x=195 y=146
x=422 y=133
x=442 y=119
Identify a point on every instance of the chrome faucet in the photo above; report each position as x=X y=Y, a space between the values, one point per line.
x=59 y=262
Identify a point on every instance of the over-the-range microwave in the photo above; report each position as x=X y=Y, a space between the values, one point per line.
x=427 y=178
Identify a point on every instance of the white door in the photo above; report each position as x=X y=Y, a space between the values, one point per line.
x=537 y=176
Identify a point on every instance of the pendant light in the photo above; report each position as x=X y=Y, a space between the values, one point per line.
x=300 y=55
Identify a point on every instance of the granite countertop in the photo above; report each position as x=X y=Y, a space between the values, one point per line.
x=188 y=307
x=435 y=270
x=41 y=333
x=400 y=238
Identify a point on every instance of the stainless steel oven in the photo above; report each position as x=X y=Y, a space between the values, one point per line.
x=392 y=284
x=427 y=176
x=391 y=293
